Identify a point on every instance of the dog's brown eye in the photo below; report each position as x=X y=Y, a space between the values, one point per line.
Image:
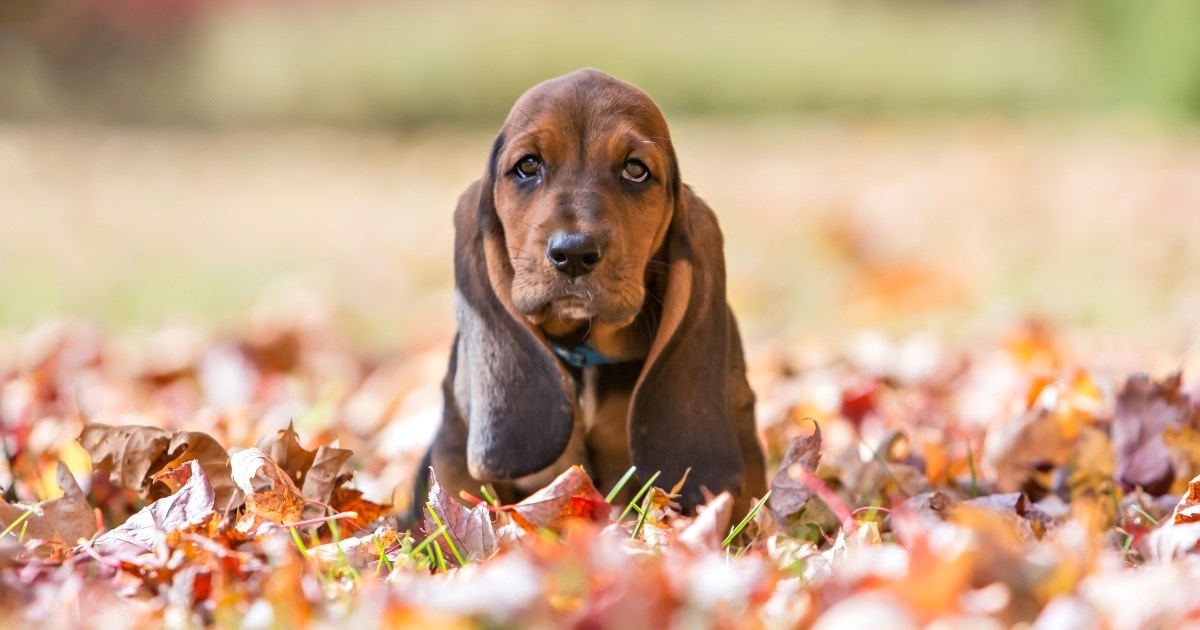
x=528 y=167
x=635 y=171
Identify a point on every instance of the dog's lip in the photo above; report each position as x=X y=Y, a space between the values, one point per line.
x=572 y=307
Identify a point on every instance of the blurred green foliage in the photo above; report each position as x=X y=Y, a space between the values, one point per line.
x=411 y=63
x=1150 y=52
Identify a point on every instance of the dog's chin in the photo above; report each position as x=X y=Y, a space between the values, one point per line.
x=574 y=309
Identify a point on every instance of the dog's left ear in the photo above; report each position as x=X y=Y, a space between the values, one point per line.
x=681 y=415
x=514 y=397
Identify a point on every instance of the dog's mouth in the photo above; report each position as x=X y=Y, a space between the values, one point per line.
x=571 y=308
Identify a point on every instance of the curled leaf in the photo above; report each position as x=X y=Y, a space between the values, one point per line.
x=571 y=495
x=280 y=502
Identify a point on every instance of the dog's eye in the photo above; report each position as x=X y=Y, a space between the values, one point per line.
x=528 y=167
x=635 y=171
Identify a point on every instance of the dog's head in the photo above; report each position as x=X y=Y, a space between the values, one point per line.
x=584 y=187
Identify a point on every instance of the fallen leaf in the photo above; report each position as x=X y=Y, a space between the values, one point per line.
x=64 y=519
x=711 y=524
x=191 y=507
x=789 y=493
x=935 y=504
x=70 y=515
x=351 y=500
x=129 y=453
x=134 y=455
x=212 y=457
x=323 y=477
x=1188 y=508
x=470 y=529
x=1145 y=410
x=571 y=495
x=284 y=447
x=358 y=551
x=280 y=503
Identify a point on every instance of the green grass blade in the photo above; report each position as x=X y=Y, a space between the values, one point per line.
x=971 y=464
x=299 y=541
x=428 y=539
x=641 y=518
x=439 y=556
x=446 y=535
x=487 y=495
x=746 y=521
x=1145 y=514
x=612 y=494
x=20 y=519
x=638 y=497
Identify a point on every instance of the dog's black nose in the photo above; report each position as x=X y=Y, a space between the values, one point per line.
x=573 y=253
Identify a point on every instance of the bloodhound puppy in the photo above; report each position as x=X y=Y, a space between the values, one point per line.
x=592 y=322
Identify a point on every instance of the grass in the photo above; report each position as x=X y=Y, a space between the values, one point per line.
x=737 y=529
x=638 y=497
x=17 y=521
x=620 y=485
x=445 y=535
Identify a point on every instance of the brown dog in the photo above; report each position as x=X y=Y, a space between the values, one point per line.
x=592 y=322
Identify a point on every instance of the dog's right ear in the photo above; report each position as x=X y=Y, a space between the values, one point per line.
x=513 y=395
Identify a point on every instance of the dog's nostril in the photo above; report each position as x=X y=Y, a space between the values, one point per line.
x=573 y=253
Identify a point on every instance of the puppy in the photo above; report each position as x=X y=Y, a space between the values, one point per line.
x=593 y=327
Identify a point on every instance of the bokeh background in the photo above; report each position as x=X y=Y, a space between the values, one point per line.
x=949 y=167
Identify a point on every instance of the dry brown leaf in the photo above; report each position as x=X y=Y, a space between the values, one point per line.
x=317 y=473
x=279 y=503
x=191 y=507
x=323 y=477
x=284 y=447
x=131 y=454
x=470 y=529
x=66 y=519
x=134 y=455
x=70 y=515
x=213 y=458
x=789 y=493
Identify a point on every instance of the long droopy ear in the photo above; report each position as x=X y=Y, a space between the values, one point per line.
x=514 y=397
x=681 y=415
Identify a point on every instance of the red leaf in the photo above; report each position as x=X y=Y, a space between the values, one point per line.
x=571 y=495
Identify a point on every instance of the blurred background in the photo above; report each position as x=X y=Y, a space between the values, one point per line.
x=942 y=166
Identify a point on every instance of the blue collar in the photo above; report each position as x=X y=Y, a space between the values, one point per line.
x=581 y=356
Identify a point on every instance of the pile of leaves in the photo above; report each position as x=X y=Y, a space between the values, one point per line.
x=262 y=480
